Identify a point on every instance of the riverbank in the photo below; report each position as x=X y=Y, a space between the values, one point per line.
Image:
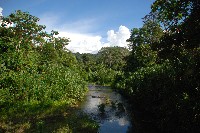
x=49 y=117
x=69 y=116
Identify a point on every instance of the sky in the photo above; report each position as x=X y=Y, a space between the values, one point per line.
x=90 y=24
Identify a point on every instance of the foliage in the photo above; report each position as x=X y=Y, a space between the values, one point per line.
x=141 y=56
x=113 y=57
x=140 y=42
x=172 y=13
x=101 y=68
x=150 y=33
x=161 y=78
x=102 y=75
x=171 y=102
x=46 y=117
x=35 y=67
x=181 y=21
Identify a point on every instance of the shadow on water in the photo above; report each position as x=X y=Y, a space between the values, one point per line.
x=108 y=108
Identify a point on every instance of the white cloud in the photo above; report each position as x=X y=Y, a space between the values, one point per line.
x=1 y=14
x=118 y=38
x=1 y=9
x=82 y=43
x=85 y=43
x=79 y=32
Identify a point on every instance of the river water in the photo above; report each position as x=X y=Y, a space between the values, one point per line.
x=108 y=108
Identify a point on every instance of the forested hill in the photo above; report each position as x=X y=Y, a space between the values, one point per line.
x=102 y=67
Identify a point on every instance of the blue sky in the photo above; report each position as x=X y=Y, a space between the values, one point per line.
x=90 y=24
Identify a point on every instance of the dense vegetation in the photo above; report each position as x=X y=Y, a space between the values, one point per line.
x=162 y=76
x=39 y=78
x=41 y=81
x=101 y=68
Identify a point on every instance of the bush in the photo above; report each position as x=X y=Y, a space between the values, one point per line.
x=167 y=94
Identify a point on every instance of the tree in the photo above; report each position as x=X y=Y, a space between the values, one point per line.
x=162 y=76
x=181 y=21
x=150 y=33
x=141 y=42
x=172 y=13
x=113 y=57
x=34 y=63
x=165 y=90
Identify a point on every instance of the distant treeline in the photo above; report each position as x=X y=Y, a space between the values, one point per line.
x=101 y=68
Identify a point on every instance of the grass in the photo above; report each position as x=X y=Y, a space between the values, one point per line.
x=34 y=117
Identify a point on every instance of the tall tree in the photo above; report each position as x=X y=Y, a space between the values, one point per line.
x=113 y=57
x=141 y=42
x=149 y=33
x=181 y=19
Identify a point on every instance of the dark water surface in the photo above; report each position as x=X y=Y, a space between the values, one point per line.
x=115 y=119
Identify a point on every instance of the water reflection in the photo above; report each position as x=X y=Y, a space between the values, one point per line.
x=114 y=118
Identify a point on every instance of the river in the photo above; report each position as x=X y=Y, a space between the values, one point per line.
x=108 y=108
